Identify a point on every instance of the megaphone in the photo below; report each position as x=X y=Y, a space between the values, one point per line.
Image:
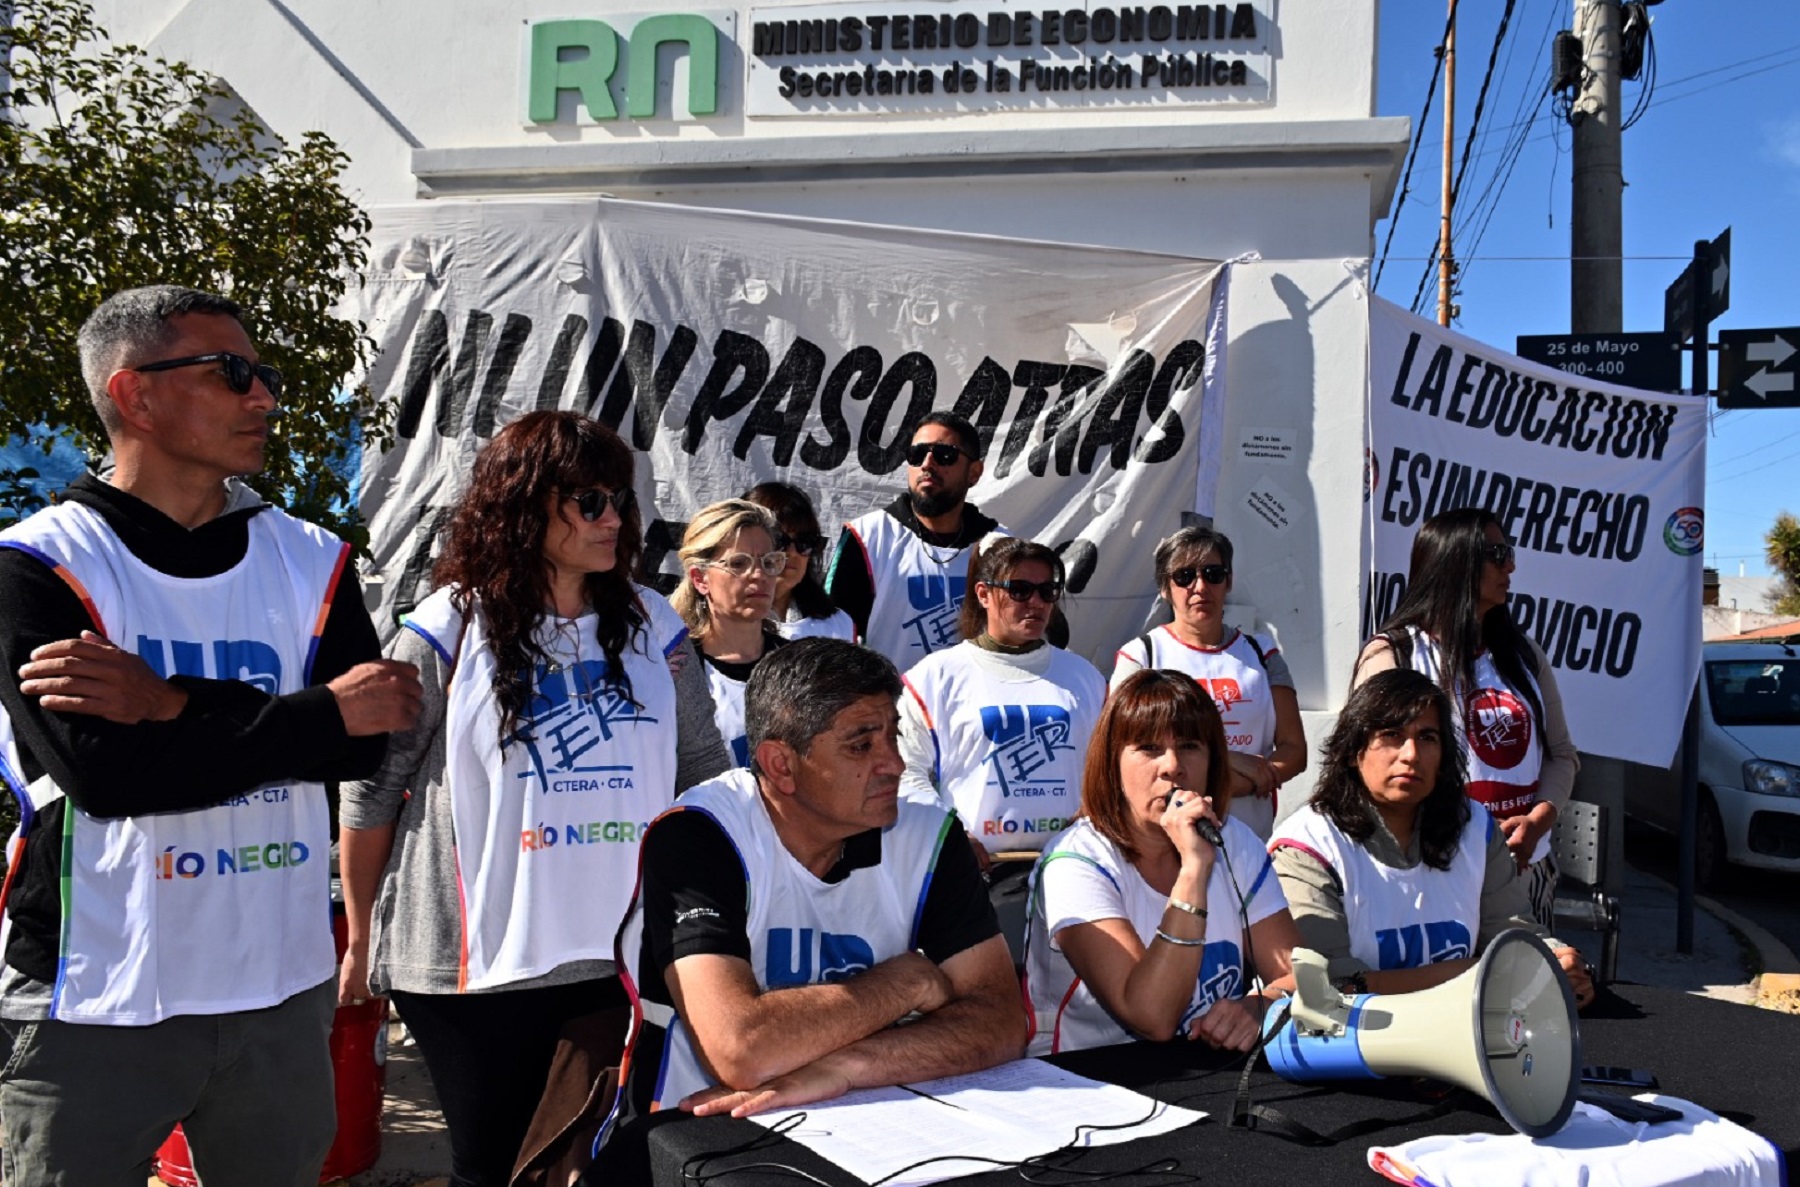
x=1504 y=1030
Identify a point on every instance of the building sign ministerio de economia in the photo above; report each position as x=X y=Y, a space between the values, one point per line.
x=868 y=59
x=862 y=59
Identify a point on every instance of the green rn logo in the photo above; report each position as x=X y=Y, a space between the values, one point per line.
x=589 y=73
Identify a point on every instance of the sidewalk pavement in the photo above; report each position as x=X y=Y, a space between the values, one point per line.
x=1733 y=959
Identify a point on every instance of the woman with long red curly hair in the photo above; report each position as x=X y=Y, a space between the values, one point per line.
x=488 y=863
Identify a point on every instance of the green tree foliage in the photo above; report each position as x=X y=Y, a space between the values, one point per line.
x=1783 y=550
x=119 y=169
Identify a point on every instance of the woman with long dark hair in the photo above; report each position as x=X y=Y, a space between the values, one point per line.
x=995 y=728
x=488 y=863
x=1243 y=673
x=802 y=608
x=1391 y=873
x=1151 y=914
x=730 y=566
x=1452 y=624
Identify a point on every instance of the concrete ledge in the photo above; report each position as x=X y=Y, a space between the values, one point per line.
x=1376 y=145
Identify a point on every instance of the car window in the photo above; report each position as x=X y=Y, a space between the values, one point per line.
x=1754 y=691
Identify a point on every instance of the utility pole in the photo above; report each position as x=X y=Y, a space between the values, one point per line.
x=1596 y=235
x=1446 y=262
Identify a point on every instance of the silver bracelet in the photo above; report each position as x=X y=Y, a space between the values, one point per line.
x=1178 y=941
x=1190 y=908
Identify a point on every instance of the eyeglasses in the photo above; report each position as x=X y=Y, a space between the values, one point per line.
x=1183 y=578
x=1020 y=590
x=740 y=564
x=592 y=503
x=941 y=452
x=804 y=543
x=1501 y=554
x=240 y=372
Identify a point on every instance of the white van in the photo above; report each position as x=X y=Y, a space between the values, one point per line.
x=1749 y=763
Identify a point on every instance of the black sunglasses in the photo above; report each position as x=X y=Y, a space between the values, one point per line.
x=804 y=543
x=1500 y=553
x=941 y=452
x=239 y=371
x=592 y=503
x=1183 y=578
x=1020 y=590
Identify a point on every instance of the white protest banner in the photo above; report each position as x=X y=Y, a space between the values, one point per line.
x=1598 y=487
x=732 y=348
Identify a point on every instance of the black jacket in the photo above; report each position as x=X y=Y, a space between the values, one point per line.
x=230 y=738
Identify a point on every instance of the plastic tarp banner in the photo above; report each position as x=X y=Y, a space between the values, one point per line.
x=731 y=348
x=1600 y=490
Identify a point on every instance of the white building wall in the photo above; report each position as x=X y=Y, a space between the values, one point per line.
x=429 y=98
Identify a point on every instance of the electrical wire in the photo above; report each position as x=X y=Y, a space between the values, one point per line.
x=1735 y=458
x=1412 y=155
x=1648 y=87
x=1562 y=103
x=1531 y=95
x=1468 y=148
x=1786 y=457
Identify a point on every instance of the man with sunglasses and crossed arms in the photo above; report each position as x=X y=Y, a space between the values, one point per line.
x=900 y=572
x=185 y=667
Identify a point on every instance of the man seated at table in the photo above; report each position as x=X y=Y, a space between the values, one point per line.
x=790 y=915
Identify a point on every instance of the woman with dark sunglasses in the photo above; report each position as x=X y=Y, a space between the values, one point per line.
x=1453 y=625
x=730 y=567
x=995 y=727
x=802 y=608
x=488 y=863
x=1243 y=673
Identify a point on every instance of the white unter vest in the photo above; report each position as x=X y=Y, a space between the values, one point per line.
x=547 y=824
x=1494 y=724
x=1233 y=675
x=217 y=909
x=1009 y=752
x=1082 y=877
x=802 y=930
x=918 y=589
x=1400 y=919
x=728 y=712
x=796 y=625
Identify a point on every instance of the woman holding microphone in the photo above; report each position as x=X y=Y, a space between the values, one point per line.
x=1153 y=913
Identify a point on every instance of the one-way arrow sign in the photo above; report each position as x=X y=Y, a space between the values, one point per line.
x=1757 y=368
x=1678 y=300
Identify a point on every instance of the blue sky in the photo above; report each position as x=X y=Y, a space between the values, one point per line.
x=1717 y=146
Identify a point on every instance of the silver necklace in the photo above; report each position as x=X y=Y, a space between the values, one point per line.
x=567 y=631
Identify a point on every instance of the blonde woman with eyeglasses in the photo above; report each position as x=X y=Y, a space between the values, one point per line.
x=730 y=566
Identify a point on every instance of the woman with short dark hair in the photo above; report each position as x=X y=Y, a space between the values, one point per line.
x=1152 y=913
x=1453 y=625
x=488 y=863
x=1243 y=673
x=802 y=608
x=995 y=727
x=1392 y=874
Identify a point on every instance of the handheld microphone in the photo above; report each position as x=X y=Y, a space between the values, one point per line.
x=1209 y=832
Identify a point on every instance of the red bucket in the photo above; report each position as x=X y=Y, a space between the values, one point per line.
x=359 y=1067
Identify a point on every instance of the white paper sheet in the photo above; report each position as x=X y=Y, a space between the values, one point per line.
x=967 y=1124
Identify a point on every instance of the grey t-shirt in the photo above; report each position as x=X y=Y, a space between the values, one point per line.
x=416 y=932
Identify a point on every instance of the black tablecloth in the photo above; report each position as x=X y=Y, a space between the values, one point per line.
x=1738 y=1061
